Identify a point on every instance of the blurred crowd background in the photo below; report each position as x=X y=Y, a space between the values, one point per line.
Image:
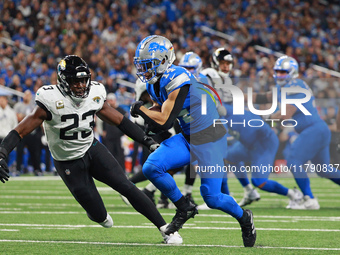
x=35 y=35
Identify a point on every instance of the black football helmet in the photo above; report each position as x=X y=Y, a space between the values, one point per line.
x=221 y=54
x=72 y=70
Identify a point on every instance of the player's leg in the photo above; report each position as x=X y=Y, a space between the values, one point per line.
x=211 y=155
x=173 y=153
x=302 y=149
x=105 y=168
x=322 y=164
x=236 y=155
x=76 y=176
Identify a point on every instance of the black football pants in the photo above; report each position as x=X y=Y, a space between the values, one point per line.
x=99 y=163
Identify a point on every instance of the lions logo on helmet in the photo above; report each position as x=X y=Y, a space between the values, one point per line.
x=192 y=62
x=154 y=55
x=288 y=65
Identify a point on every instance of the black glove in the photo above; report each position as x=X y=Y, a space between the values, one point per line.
x=4 y=171
x=134 y=110
x=150 y=143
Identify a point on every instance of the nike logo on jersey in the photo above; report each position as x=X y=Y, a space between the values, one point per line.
x=172 y=77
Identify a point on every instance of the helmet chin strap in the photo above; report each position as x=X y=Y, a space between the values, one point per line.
x=223 y=74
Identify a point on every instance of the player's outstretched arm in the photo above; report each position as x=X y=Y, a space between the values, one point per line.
x=113 y=117
x=26 y=126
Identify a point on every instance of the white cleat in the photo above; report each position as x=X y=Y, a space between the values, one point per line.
x=311 y=203
x=173 y=238
x=108 y=222
x=296 y=202
x=249 y=197
x=203 y=207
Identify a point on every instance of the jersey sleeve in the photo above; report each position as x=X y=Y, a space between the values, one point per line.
x=99 y=91
x=175 y=79
x=43 y=99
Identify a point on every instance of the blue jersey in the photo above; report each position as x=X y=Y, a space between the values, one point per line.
x=190 y=118
x=303 y=121
x=248 y=133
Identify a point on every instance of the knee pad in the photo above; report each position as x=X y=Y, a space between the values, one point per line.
x=258 y=182
x=150 y=170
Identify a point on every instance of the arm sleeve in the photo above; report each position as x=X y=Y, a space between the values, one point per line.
x=183 y=92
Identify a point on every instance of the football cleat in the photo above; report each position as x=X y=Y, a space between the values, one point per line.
x=249 y=197
x=248 y=228
x=296 y=202
x=311 y=203
x=181 y=217
x=108 y=222
x=172 y=238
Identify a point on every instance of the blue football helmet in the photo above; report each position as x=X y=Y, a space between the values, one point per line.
x=288 y=64
x=154 y=55
x=192 y=62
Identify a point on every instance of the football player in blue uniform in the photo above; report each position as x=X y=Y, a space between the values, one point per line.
x=314 y=135
x=255 y=144
x=171 y=87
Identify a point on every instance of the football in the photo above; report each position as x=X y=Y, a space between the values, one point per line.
x=156 y=108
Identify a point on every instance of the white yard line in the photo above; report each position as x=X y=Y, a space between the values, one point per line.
x=150 y=244
x=171 y=213
x=41 y=226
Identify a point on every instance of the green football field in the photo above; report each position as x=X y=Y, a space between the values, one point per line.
x=38 y=215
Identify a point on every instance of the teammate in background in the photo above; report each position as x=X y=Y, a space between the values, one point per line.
x=67 y=113
x=218 y=76
x=314 y=135
x=172 y=89
x=256 y=145
x=193 y=63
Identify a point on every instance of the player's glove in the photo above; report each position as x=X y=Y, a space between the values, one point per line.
x=150 y=143
x=134 y=110
x=4 y=171
x=222 y=111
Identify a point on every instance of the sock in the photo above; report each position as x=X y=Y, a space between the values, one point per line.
x=181 y=204
x=187 y=189
x=138 y=177
x=150 y=187
x=290 y=194
x=248 y=187
x=190 y=175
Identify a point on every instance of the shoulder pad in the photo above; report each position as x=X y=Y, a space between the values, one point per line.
x=210 y=72
x=175 y=77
